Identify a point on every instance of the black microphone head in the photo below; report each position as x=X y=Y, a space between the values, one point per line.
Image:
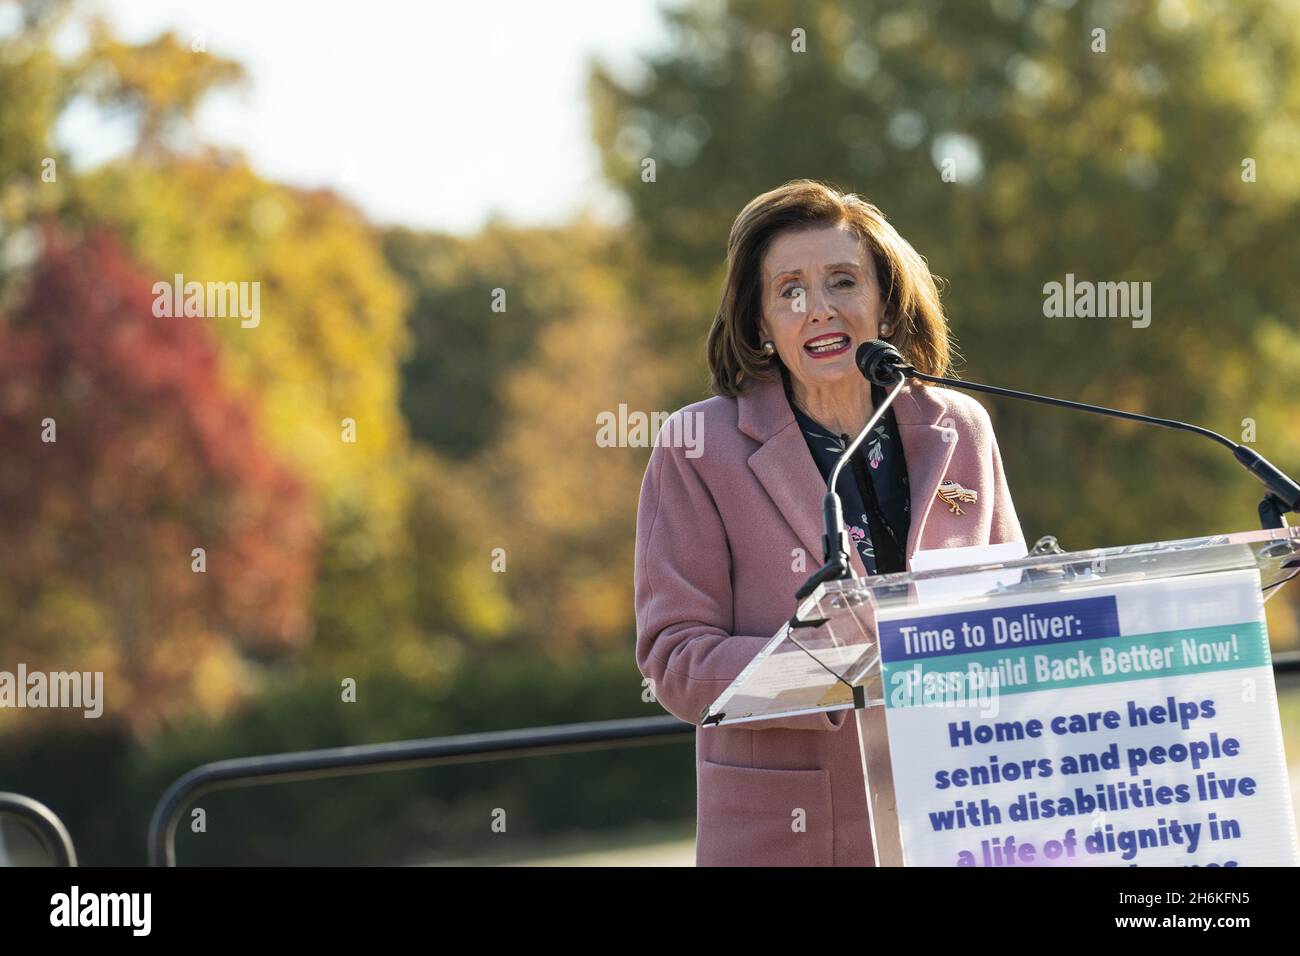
x=880 y=363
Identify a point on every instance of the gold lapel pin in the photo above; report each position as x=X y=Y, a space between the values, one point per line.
x=951 y=494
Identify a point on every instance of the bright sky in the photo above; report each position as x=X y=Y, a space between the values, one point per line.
x=423 y=112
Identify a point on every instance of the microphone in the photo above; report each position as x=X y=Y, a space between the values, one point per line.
x=835 y=541
x=881 y=363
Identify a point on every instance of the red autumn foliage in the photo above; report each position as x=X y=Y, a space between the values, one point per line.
x=153 y=457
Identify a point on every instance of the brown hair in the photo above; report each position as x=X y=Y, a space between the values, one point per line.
x=910 y=293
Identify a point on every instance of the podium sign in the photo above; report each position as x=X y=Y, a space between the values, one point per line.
x=1114 y=707
x=1123 y=725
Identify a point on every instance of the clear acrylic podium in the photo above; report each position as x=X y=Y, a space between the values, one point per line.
x=827 y=657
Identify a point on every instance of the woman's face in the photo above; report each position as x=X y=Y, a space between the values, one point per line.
x=821 y=300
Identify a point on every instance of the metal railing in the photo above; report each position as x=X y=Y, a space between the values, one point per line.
x=412 y=754
x=1286 y=664
x=45 y=822
x=403 y=755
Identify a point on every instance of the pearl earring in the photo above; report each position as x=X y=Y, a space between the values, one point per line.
x=769 y=347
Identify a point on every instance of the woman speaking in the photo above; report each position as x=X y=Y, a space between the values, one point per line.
x=728 y=532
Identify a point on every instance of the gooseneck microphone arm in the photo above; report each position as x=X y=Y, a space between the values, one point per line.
x=877 y=359
x=835 y=541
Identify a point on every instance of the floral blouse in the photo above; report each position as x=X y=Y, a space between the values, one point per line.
x=873 y=487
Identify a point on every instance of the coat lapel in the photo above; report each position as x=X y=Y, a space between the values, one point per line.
x=787 y=472
x=919 y=411
x=783 y=464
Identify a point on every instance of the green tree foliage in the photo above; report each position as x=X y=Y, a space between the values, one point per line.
x=516 y=394
x=478 y=307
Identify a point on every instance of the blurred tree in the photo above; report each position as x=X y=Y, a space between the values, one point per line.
x=35 y=87
x=161 y=83
x=565 y=488
x=321 y=363
x=515 y=395
x=124 y=453
x=464 y=347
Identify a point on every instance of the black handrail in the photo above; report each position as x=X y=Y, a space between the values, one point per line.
x=410 y=754
x=402 y=755
x=45 y=822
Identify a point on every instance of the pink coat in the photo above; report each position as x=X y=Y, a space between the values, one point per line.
x=723 y=516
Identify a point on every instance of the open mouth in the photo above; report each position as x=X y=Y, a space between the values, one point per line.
x=823 y=346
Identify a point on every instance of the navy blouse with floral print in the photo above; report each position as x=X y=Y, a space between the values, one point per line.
x=873 y=488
